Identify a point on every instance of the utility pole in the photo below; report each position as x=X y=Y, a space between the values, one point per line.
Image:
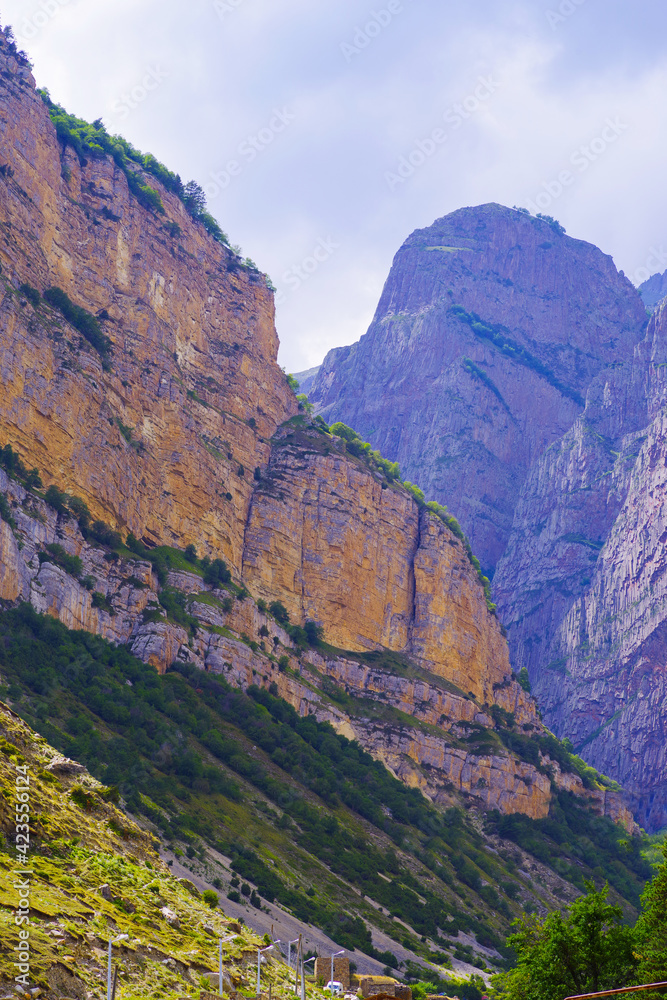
x=296 y=970
x=335 y=955
x=222 y=941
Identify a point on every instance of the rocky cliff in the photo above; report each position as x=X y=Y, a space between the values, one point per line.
x=164 y=442
x=183 y=430
x=582 y=584
x=654 y=290
x=407 y=710
x=490 y=328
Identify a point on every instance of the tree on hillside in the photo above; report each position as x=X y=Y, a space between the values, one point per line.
x=651 y=930
x=582 y=951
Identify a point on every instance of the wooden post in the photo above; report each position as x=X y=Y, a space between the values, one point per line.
x=115 y=983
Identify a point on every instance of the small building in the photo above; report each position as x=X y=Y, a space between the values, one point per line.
x=372 y=986
x=341 y=970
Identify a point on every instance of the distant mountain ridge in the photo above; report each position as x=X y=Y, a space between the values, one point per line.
x=654 y=290
x=510 y=371
x=490 y=328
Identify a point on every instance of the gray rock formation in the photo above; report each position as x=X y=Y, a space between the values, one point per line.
x=654 y=290
x=491 y=326
x=582 y=586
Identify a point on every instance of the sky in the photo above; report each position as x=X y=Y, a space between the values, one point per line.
x=325 y=132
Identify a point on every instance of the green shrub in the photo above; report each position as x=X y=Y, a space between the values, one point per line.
x=57 y=499
x=173 y=602
x=79 y=508
x=190 y=553
x=216 y=574
x=99 y=600
x=102 y=533
x=6 y=513
x=210 y=898
x=31 y=294
x=83 y=799
x=81 y=320
x=524 y=679
x=279 y=612
x=314 y=633
x=57 y=554
x=15 y=469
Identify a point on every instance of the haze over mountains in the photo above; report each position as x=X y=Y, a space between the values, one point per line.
x=513 y=374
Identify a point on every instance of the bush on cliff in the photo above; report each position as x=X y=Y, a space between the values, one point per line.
x=81 y=320
x=92 y=140
x=15 y=469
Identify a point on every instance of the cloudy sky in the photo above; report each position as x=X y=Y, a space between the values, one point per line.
x=325 y=132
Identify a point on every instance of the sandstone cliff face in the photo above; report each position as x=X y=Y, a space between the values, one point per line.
x=466 y=408
x=193 y=376
x=362 y=560
x=407 y=716
x=176 y=440
x=583 y=584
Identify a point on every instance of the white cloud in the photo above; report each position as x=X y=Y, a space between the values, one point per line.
x=224 y=72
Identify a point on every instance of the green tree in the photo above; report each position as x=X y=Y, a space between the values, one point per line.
x=585 y=950
x=652 y=929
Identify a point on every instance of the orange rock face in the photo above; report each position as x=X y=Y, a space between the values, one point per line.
x=326 y=539
x=183 y=416
x=191 y=434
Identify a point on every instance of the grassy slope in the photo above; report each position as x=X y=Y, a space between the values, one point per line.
x=75 y=851
x=294 y=805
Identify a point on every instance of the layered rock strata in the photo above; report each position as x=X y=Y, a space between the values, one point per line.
x=345 y=548
x=582 y=586
x=165 y=442
x=411 y=719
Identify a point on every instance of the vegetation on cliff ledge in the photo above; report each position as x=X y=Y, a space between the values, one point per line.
x=91 y=140
x=390 y=472
x=192 y=754
x=499 y=336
